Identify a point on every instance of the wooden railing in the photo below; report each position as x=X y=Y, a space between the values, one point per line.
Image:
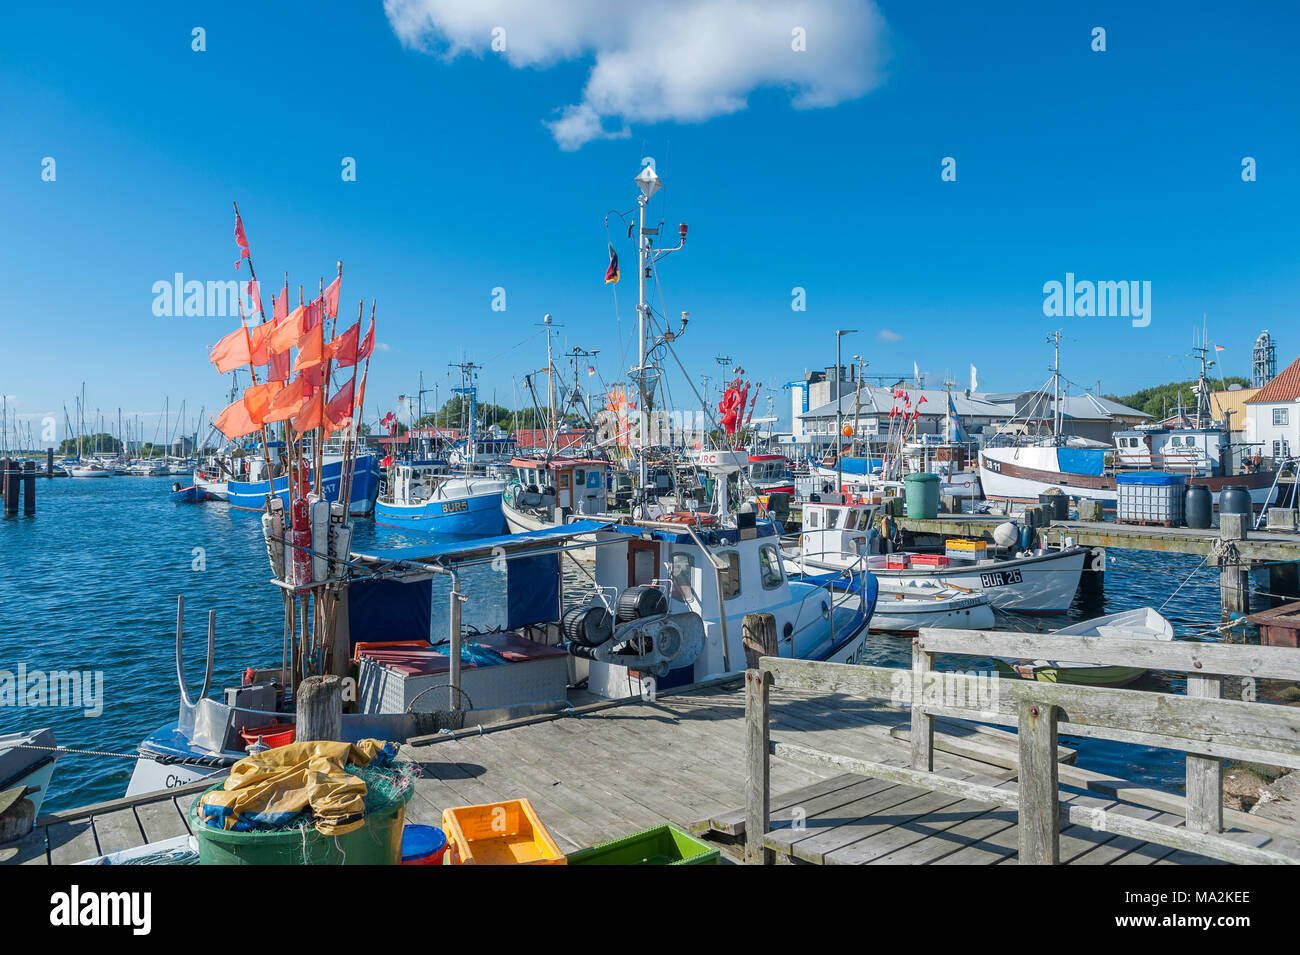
x=1201 y=724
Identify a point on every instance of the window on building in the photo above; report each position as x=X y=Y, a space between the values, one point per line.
x=769 y=564
x=1279 y=416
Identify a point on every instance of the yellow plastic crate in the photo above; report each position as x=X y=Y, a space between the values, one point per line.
x=501 y=833
x=958 y=543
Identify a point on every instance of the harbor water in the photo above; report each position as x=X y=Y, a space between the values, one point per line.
x=89 y=584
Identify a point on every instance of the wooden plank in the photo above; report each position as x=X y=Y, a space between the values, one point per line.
x=160 y=820
x=1039 y=821
x=1204 y=773
x=831 y=844
x=902 y=840
x=1181 y=656
x=834 y=812
x=1256 y=732
x=118 y=830
x=758 y=781
x=71 y=842
x=921 y=731
x=732 y=822
x=966 y=834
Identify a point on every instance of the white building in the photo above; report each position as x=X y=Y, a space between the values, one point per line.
x=1273 y=415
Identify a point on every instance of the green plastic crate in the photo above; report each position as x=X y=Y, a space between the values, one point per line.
x=662 y=845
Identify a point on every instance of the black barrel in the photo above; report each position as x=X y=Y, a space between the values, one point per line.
x=1058 y=506
x=1198 y=506
x=587 y=626
x=1235 y=499
x=643 y=601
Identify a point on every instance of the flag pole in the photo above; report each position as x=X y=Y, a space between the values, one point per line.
x=248 y=335
x=349 y=454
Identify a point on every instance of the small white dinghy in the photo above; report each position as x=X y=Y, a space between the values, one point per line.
x=1144 y=623
x=903 y=607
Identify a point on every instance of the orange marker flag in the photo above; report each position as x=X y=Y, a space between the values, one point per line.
x=258 y=337
x=234 y=422
x=231 y=352
x=311 y=350
x=309 y=416
x=332 y=297
x=258 y=398
x=286 y=403
x=286 y=334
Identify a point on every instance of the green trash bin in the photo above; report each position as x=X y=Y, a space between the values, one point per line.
x=662 y=845
x=922 y=495
x=377 y=842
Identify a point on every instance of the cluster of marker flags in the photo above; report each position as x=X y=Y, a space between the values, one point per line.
x=293 y=392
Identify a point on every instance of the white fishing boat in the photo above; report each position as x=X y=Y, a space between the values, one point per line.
x=1144 y=623
x=27 y=761
x=838 y=535
x=426 y=497
x=213 y=487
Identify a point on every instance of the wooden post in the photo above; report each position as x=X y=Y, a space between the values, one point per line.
x=1234 y=574
x=1040 y=810
x=758 y=793
x=922 y=722
x=1204 y=773
x=758 y=632
x=320 y=709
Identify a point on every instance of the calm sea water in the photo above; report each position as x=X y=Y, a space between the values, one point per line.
x=90 y=583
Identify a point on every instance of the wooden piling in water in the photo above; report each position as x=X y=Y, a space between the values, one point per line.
x=1234 y=573
x=29 y=487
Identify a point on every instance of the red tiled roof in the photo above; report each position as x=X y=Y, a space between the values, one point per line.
x=1285 y=387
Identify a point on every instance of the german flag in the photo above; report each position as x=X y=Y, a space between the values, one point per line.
x=611 y=273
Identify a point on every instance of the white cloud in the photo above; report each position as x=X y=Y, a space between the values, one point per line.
x=885 y=335
x=680 y=60
x=383 y=347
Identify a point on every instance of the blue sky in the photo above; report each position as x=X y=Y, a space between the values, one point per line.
x=1115 y=165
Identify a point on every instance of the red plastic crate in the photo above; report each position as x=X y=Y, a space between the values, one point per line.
x=929 y=560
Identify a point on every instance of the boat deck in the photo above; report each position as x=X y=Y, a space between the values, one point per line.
x=605 y=770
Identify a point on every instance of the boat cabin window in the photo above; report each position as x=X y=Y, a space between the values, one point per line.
x=833 y=517
x=681 y=571
x=769 y=565
x=730 y=576
x=850 y=520
x=811 y=518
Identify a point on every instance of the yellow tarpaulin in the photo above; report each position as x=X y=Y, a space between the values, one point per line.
x=270 y=788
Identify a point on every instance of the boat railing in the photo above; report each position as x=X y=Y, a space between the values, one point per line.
x=1202 y=724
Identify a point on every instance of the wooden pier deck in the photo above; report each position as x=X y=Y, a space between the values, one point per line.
x=606 y=770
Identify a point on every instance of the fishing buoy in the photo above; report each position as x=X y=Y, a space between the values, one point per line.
x=301 y=540
x=1006 y=534
x=340 y=538
x=273 y=532
x=320 y=537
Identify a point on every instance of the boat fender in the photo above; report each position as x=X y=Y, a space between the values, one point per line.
x=301 y=542
x=273 y=532
x=320 y=542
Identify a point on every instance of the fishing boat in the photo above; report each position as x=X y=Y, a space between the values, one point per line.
x=213 y=486
x=186 y=495
x=426 y=497
x=838 y=534
x=250 y=492
x=28 y=768
x=1087 y=470
x=1144 y=623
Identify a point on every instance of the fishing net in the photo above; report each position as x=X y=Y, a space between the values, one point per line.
x=385 y=785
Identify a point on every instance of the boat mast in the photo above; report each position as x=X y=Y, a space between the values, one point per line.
x=649 y=184
x=1055 y=339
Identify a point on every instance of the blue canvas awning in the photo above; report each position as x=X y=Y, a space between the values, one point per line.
x=467 y=551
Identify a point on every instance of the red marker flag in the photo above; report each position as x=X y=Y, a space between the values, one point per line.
x=332 y=298
x=235 y=422
x=241 y=240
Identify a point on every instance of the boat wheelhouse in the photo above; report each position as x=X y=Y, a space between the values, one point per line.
x=425 y=496
x=542 y=492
